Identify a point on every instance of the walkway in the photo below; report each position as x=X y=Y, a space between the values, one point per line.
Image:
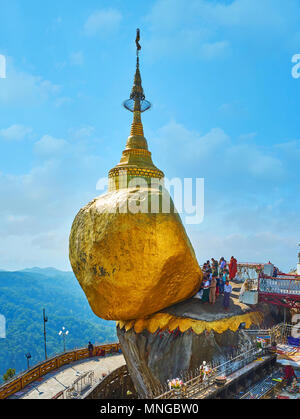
x=59 y=380
x=193 y=308
x=213 y=390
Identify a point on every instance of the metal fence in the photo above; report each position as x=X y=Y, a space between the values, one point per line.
x=265 y=387
x=199 y=383
x=80 y=385
x=281 y=285
x=279 y=334
x=116 y=385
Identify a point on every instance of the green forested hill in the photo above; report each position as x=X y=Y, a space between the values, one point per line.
x=24 y=294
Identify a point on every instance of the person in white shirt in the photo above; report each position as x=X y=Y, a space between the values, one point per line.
x=227 y=292
x=206 y=290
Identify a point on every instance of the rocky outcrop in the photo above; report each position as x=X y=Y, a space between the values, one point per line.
x=152 y=359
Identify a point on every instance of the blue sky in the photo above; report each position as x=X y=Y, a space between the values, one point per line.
x=225 y=107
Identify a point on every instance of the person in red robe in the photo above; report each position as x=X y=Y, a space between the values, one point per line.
x=289 y=374
x=232 y=268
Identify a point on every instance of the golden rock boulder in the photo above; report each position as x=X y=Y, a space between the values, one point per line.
x=131 y=265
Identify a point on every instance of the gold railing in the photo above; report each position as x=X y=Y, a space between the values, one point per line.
x=43 y=368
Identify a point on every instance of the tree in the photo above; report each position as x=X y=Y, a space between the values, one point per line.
x=9 y=374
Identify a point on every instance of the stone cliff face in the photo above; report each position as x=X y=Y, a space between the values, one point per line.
x=152 y=359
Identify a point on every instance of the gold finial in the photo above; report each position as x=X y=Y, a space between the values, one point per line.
x=136 y=158
x=137 y=102
x=137 y=42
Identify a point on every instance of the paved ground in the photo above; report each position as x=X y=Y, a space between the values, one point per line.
x=56 y=381
x=194 y=308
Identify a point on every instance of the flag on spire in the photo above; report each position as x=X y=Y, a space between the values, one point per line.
x=138 y=46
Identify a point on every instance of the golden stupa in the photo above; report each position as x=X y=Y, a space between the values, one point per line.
x=131 y=257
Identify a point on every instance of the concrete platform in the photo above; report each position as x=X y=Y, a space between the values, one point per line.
x=194 y=308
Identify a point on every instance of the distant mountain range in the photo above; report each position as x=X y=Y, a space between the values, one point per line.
x=24 y=294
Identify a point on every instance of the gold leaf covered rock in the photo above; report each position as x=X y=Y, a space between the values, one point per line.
x=131 y=265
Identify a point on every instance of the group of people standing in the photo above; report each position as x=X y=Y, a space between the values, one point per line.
x=216 y=280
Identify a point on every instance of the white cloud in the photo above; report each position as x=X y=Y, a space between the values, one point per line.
x=63 y=101
x=48 y=145
x=58 y=20
x=213 y=26
x=233 y=110
x=216 y=151
x=15 y=132
x=226 y=108
x=33 y=250
x=102 y=22
x=21 y=88
x=76 y=58
x=259 y=246
x=38 y=207
x=83 y=132
x=214 y=50
x=52 y=240
x=251 y=208
x=247 y=137
x=255 y=14
x=290 y=148
x=258 y=162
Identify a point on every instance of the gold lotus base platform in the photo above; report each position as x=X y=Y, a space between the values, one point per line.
x=165 y=321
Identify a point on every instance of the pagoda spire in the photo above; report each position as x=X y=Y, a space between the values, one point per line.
x=137 y=102
x=136 y=159
x=138 y=96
